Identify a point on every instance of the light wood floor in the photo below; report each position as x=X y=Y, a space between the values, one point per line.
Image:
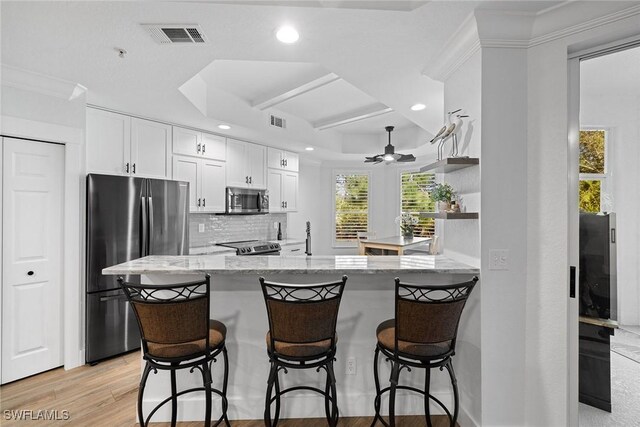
x=105 y=395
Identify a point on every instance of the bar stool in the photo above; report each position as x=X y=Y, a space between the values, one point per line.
x=422 y=335
x=177 y=334
x=302 y=335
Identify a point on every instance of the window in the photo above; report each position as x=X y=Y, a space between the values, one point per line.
x=415 y=198
x=351 y=207
x=593 y=169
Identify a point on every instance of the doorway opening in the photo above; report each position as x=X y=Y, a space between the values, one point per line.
x=609 y=239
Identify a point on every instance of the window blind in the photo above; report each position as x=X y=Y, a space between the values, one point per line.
x=415 y=198
x=352 y=206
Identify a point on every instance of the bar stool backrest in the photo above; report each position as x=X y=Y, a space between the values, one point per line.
x=170 y=314
x=302 y=313
x=429 y=314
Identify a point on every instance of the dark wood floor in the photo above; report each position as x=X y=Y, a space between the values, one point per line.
x=105 y=395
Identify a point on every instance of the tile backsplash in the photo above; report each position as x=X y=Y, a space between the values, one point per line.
x=228 y=228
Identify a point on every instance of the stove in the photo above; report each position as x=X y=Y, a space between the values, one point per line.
x=253 y=247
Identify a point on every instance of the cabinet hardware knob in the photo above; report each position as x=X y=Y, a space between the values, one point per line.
x=203 y=147
x=246 y=179
x=250 y=179
x=204 y=203
x=30 y=273
x=126 y=168
x=198 y=148
x=282 y=205
x=286 y=204
x=134 y=168
x=286 y=162
x=199 y=202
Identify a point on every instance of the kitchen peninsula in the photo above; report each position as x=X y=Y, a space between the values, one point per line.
x=237 y=301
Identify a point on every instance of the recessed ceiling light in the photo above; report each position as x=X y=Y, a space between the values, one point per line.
x=418 y=107
x=225 y=127
x=287 y=34
x=309 y=148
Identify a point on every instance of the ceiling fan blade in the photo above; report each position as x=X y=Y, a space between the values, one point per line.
x=373 y=159
x=406 y=158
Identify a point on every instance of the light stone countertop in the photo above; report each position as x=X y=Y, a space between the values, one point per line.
x=322 y=264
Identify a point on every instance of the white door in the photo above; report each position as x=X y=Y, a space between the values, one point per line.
x=275 y=191
x=256 y=158
x=32 y=191
x=186 y=169
x=214 y=147
x=290 y=191
x=237 y=175
x=274 y=158
x=150 y=149
x=186 y=141
x=108 y=142
x=213 y=186
x=292 y=161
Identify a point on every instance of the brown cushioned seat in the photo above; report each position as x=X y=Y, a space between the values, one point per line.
x=300 y=350
x=386 y=333
x=217 y=334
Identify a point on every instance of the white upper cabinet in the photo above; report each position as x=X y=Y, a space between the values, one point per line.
x=191 y=142
x=150 y=149
x=246 y=164
x=122 y=145
x=108 y=142
x=283 y=191
x=284 y=160
x=206 y=180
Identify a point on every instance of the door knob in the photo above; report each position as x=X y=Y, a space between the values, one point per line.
x=30 y=273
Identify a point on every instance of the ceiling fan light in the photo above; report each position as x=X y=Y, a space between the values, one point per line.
x=388 y=158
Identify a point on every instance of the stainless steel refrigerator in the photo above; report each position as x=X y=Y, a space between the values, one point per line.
x=127 y=218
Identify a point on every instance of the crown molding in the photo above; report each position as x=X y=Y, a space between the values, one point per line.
x=35 y=82
x=461 y=46
x=585 y=26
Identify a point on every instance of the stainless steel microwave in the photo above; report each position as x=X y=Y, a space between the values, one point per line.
x=246 y=201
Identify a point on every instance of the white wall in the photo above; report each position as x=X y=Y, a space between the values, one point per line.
x=461 y=239
x=621 y=115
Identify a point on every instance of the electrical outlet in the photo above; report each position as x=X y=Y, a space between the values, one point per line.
x=499 y=259
x=351 y=367
x=200 y=228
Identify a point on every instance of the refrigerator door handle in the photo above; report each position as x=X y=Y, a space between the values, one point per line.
x=145 y=226
x=613 y=235
x=150 y=239
x=113 y=298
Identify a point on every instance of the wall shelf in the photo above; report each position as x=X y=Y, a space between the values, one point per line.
x=451 y=164
x=449 y=215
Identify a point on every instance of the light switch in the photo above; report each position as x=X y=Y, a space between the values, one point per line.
x=200 y=228
x=499 y=259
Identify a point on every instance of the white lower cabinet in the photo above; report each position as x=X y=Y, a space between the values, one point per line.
x=206 y=180
x=283 y=191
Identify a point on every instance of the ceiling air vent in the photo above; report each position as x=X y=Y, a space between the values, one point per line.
x=175 y=33
x=278 y=122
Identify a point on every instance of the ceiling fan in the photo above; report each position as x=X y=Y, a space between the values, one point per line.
x=389 y=153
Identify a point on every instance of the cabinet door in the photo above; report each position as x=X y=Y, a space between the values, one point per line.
x=186 y=141
x=237 y=175
x=213 y=186
x=187 y=169
x=214 y=147
x=290 y=191
x=291 y=161
x=150 y=149
x=274 y=158
x=274 y=181
x=108 y=142
x=256 y=157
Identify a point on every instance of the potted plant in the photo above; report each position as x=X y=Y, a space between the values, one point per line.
x=442 y=194
x=407 y=223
